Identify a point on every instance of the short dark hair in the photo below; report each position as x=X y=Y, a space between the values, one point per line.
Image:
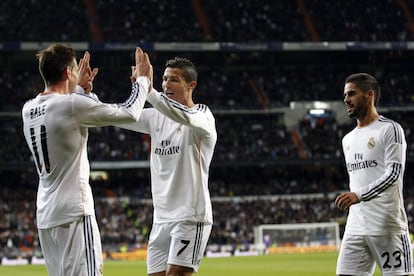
x=366 y=82
x=53 y=61
x=187 y=66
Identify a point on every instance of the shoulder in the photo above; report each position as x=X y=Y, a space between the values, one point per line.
x=387 y=123
x=82 y=101
x=84 y=97
x=28 y=102
x=202 y=108
x=26 y=107
x=205 y=112
x=391 y=129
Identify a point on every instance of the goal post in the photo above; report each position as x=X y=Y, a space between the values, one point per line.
x=297 y=237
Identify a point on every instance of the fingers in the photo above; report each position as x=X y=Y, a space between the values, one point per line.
x=133 y=74
x=151 y=72
x=86 y=74
x=340 y=201
x=146 y=58
x=94 y=73
x=81 y=66
x=147 y=61
x=138 y=55
x=86 y=57
x=345 y=200
x=143 y=66
x=84 y=61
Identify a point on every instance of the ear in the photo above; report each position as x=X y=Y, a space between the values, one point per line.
x=371 y=93
x=67 y=73
x=192 y=85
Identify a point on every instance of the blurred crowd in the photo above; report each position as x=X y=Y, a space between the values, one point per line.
x=125 y=221
x=236 y=80
x=202 y=20
x=263 y=171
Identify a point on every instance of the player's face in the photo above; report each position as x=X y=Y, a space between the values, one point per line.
x=175 y=86
x=356 y=101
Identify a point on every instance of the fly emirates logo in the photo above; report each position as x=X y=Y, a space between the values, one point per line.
x=360 y=163
x=166 y=148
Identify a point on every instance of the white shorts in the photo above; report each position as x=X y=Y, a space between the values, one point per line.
x=359 y=254
x=73 y=248
x=179 y=243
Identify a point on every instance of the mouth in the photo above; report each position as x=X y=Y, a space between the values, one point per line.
x=168 y=93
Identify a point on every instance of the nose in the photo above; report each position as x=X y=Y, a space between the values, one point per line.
x=346 y=99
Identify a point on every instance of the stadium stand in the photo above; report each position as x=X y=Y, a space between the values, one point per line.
x=44 y=21
x=264 y=171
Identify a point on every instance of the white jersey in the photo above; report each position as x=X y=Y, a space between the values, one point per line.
x=375 y=159
x=182 y=146
x=56 y=130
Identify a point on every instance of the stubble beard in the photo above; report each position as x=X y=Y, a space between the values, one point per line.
x=358 y=113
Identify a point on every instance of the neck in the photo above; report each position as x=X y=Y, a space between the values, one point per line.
x=188 y=99
x=187 y=102
x=368 y=118
x=190 y=104
x=59 y=88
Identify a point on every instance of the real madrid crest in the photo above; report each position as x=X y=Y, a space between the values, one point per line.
x=371 y=143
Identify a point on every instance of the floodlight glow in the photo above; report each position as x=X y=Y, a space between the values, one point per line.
x=317 y=111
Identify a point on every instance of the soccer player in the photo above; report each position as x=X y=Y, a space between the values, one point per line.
x=375 y=151
x=183 y=137
x=55 y=125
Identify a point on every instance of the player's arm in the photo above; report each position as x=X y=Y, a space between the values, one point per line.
x=143 y=125
x=199 y=119
x=92 y=112
x=394 y=156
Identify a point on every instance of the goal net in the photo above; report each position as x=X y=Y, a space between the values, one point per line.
x=298 y=237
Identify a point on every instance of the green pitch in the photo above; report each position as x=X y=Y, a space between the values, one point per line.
x=316 y=264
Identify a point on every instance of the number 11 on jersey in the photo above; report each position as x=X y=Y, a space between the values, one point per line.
x=44 y=151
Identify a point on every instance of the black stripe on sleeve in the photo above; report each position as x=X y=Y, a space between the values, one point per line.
x=133 y=97
x=396 y=170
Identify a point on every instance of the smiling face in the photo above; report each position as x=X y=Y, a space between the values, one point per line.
x=356 y=101
x=175 y=87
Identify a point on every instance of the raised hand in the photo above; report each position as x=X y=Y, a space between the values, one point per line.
x=86 y=74
x=142 y=67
